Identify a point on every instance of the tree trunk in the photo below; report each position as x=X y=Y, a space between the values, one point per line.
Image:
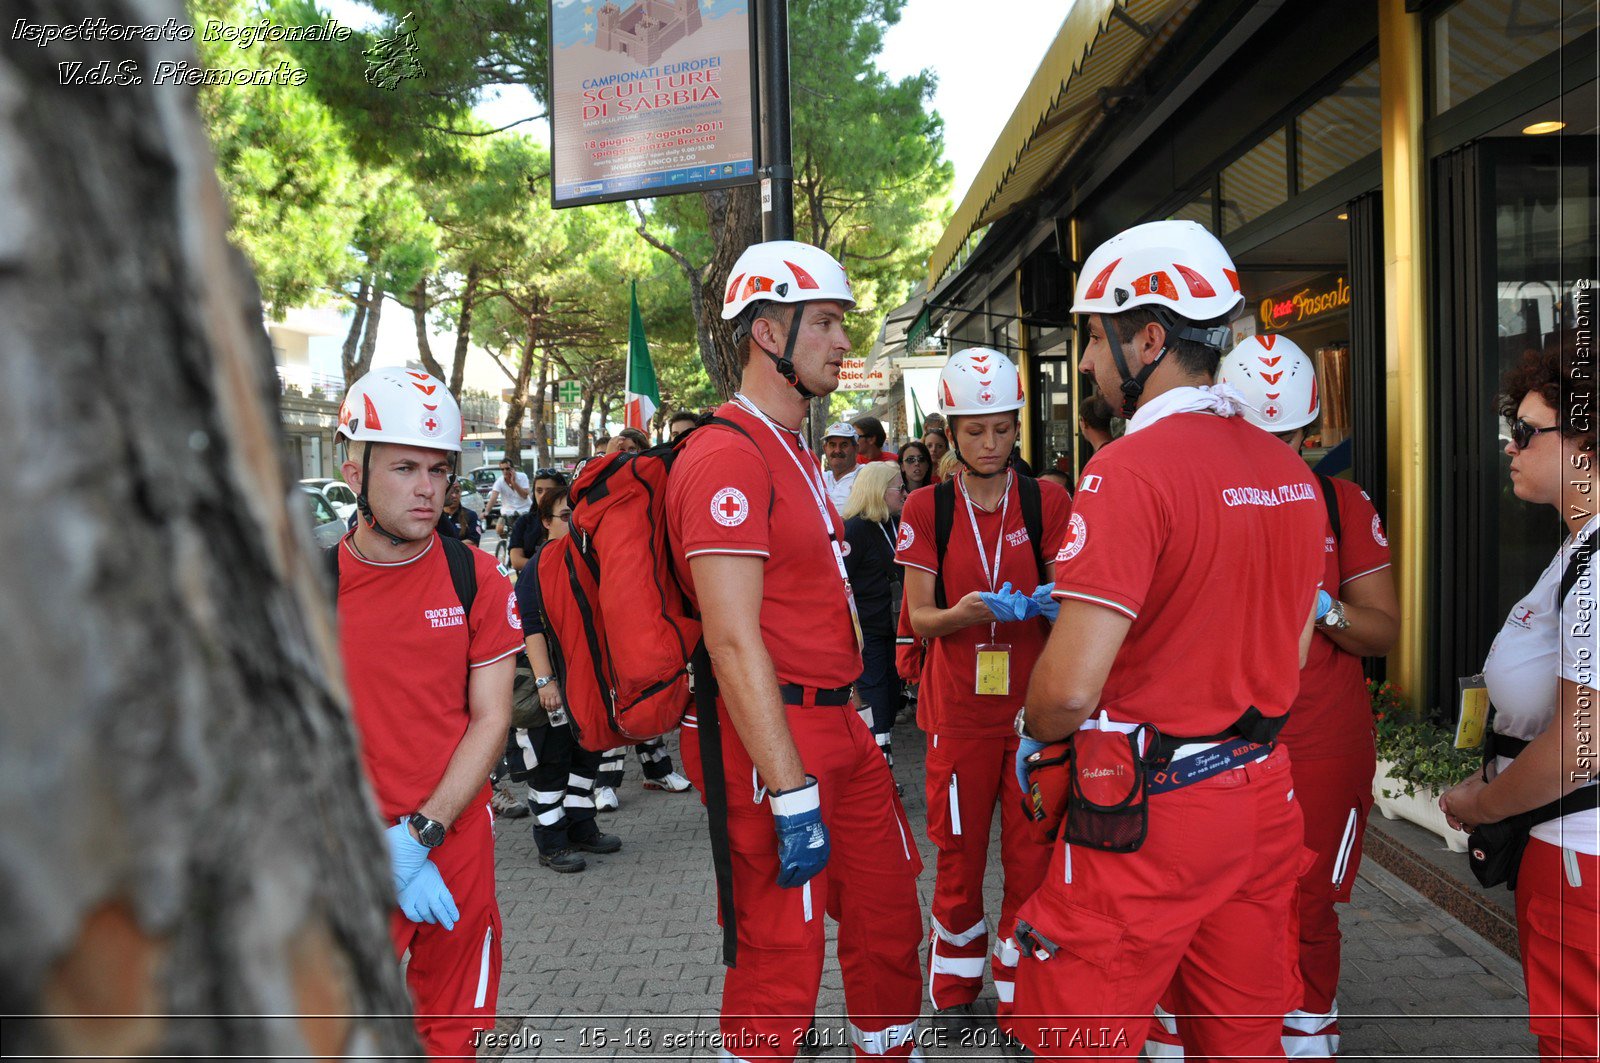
x=369 y=339
x=733 y=216
x=519 y=390
x=469 y=295
x=585 y=416
x=536 y=404
x=192 y=833
x=419 y=317
x=347 y=361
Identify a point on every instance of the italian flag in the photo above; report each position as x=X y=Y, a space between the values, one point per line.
x=643 y=395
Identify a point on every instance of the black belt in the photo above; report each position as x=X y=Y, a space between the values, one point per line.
x=795 y=694
x=1505 y=746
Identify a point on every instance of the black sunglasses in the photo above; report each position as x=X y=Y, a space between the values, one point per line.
x=1522 y=432
x=917 y=458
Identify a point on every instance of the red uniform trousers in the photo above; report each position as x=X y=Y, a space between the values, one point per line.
x=1558 y=930
x=1208 y=897
x=454 y=975
x=869 y=888
x=965 y=778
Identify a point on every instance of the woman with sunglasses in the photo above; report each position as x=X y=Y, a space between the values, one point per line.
x=916 y=466
x=1541 y=678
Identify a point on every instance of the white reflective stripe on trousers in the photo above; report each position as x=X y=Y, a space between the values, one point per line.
x=882 y=1042
x=958 y=966
x=1341 y=863
x=1162 y=1050
x=1308 y=1041
x=966 y=937
x=483 y=970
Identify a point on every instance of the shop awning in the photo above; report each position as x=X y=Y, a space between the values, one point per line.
x=894 y=337
x=1102 y=47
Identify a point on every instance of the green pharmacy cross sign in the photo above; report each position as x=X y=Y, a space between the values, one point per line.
x=569 y=393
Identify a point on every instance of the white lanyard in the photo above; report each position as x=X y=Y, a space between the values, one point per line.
x=886 y=537
x=991 y=574
x=819 y=495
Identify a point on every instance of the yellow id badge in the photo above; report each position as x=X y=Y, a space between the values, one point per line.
x=1473 y=716
x=994 y=669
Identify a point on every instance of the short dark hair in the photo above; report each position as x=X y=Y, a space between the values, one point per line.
x=548 y=504
x=872 y=428
x=1562 y=380
x=682 y=415
x=1195 y=357
x=744 y=324
x=637 y=436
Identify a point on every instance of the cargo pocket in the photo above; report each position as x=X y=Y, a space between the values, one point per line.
x=1057 y=927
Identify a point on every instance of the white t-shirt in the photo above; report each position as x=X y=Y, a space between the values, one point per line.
x=839 y=490
x=1538 y=644
x=510 y=501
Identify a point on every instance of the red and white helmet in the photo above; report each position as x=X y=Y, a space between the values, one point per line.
x=979 y=380
x=785 y=271
x=1277 y=380
x=406 y=406
x=1175 y=265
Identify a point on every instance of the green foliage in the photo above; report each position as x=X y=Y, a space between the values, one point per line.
x=1421 y=754
x=293 y=190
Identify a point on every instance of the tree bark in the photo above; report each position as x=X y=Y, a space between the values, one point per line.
x=369 y=338
x=536 y=403
x=419 y=317
x=734 y=219
x=585 y=416
x=469 y=295
x=352 y=339
x=195 y=847
x=519 y=390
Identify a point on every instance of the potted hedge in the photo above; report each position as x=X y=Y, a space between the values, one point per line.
x=1417 y=761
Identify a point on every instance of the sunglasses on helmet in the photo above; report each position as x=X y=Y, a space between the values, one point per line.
x=1522 y=432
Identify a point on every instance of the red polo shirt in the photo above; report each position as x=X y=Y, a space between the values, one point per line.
x=949 y=703
x=407 y=648
x=1208 y=534
x=732 y=494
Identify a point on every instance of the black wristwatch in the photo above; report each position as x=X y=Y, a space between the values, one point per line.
x=430 y=832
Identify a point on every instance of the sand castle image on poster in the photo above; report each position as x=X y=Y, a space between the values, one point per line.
x=647 y=28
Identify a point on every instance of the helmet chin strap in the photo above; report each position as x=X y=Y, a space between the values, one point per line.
x=365 y=507
x=785 y=364
x=1132 y=386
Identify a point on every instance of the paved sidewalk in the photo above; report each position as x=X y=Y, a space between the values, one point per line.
x=622 y=961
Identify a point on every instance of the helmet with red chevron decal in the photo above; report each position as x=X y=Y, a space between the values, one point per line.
x=1278 y=382
x=979 y=380
x=400 y=406
x=396 y=405
x=783 y=271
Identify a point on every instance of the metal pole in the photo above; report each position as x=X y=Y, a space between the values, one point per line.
x=777 y=182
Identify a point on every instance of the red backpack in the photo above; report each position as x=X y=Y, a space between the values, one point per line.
x=615 y=614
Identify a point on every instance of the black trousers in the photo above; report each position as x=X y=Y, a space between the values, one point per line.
x=561 y=776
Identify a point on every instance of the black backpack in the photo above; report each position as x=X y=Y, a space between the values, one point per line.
x=457 y=554
x=944 y=515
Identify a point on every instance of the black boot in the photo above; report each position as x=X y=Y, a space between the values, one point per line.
x=563 y=861
x=596 y=841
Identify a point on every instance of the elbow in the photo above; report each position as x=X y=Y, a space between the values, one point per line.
x=728 y=649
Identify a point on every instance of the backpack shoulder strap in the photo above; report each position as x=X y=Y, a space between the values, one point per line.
x=463 y=573
x=1582 y=555
x=1033 y=519
x=1331 y=500
x=944 y=518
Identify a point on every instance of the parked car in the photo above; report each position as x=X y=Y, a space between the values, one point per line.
x=327 y=527
x=338 y=494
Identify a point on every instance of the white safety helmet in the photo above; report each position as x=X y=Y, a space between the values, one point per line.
x=784 y=271
x=1175 y=265
x=979 y=380
x=840 y=430
x=1278 y=382
x=395 y=405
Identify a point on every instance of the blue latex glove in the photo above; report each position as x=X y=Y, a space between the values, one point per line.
x=428 y=900
x=1009 y=605
x=1049 y=608
x=1025 y=749
x=406 y=855
x=1324 y=603
x=802 y=836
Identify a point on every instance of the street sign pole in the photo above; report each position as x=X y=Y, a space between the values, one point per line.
x=777 y=168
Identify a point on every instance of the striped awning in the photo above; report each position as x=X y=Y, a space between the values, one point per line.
x=1102 y=45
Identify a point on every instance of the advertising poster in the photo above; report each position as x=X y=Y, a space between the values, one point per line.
x=650 y=98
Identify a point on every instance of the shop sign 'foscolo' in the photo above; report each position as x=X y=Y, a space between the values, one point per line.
x=1329 y=294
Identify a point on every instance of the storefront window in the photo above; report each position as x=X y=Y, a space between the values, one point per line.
x=1339 y=129
x=1476 y=44
x=1053 y=406
x=1200 y=209
x=1256 y=183
x=1545 y=235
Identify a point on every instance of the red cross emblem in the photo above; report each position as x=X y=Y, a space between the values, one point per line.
x=1270 y=411
x=729 y=507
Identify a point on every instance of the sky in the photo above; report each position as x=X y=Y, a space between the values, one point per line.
x=982 y=63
